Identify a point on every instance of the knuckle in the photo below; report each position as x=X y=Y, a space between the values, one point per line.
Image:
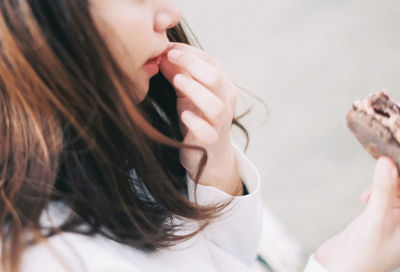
x=207 y=57
x=218 y=109
x=212 y=137
x=215 y=79
x=231 y=114
x=233 y=98
x=235 y=94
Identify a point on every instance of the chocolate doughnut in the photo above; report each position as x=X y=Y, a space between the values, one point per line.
x=375 y=121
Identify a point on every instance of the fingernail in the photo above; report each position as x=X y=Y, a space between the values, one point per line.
x=174 y=54
x=179 y=80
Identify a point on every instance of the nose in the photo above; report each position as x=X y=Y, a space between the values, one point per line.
x=168 y=16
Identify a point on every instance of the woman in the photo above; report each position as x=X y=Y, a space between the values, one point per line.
x=116 y=154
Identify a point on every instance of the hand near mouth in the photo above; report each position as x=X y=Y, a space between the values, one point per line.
x=206 y=106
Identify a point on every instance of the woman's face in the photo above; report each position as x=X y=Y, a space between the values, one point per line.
x=135 y=32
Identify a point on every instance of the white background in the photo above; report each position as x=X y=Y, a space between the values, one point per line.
x=308 y=60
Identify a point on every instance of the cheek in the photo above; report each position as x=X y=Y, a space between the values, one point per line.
x=132 y=51
x=127 y=35
x=128 y=52
x=134 y=38
x=127 y=30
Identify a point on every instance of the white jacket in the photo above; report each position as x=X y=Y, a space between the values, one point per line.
x=229 y=244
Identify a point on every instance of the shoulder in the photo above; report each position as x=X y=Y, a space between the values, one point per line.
x=76 y=252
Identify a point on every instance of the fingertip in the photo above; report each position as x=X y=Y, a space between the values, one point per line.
x=385 y=160
x=386 y=166
x=180 y=80
x=173 y=55
x=164 y=63
x=187 y=116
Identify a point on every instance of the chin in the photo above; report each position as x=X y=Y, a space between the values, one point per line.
x=143 y=91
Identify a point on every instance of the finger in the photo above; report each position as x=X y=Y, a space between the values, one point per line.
x=193 y=50
x=198 y=69
x=169 y=70
x=365 y=196
x=209 y=105
x=384 y=186
x=200 y=129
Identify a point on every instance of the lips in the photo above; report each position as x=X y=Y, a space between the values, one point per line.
x=157 y=60
x=152 y=65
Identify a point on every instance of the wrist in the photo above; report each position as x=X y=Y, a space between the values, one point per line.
x=224 y=175
x=333 y=256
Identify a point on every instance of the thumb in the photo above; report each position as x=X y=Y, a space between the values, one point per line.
x=384 y=186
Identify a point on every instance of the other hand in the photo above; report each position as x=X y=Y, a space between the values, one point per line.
x=371 y=242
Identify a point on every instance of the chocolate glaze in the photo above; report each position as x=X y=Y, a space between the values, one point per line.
x=375 y=121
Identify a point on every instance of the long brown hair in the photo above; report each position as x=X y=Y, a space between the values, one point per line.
x=72 y=131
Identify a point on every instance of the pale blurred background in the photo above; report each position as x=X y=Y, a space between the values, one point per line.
x=308 y=60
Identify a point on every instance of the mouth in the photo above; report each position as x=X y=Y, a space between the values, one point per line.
x=152 y=65
x=156 y=60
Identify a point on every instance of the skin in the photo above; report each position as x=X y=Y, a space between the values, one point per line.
x=371 y=242
x=135 y=31
x=206 y=104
